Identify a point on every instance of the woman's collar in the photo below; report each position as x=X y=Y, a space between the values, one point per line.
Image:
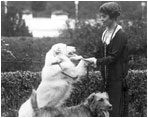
x=113 y=35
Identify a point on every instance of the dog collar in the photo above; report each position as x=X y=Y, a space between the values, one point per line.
x=74 y=78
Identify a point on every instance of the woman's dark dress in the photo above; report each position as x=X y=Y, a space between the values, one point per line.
x=117 y=63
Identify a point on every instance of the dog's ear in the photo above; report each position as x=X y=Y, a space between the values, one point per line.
x=106 y=94
x=58 y=48
x=52 y=57
x=91 y=98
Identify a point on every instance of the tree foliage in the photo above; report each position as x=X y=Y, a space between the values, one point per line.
x=137 y=37
x=13 y=24
x=87 y=9
x=38 y=5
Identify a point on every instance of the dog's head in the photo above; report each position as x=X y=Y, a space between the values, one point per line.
x=61 y=48
x=99 y=102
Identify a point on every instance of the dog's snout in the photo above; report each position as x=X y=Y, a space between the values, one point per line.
x=110 y=107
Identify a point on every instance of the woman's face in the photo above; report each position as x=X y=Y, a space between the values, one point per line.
x=105 y=19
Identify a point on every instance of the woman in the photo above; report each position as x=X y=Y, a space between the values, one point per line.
x=112 y=56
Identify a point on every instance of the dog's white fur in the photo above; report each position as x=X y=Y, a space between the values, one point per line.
x=55 y=87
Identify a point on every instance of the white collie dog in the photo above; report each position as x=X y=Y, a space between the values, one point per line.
x=58 y=74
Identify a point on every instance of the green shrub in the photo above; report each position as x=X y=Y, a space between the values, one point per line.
x=139 y=63
x=85 y=38
x=137 y=81
x=84 y=87
x=16 y=88
x=13 y=23
x=137 y=37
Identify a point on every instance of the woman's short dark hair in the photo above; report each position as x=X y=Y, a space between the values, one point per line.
x=110 y=8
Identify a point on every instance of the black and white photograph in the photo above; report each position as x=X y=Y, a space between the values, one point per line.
x=74 y=58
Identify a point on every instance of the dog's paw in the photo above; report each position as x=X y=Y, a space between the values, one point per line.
x=76 y=58
x=91 y=61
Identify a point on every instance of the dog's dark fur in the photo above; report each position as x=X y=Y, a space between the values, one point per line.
x=92 y=107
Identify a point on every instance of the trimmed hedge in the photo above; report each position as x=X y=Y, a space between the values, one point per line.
x=137 y=92
x=16 y=88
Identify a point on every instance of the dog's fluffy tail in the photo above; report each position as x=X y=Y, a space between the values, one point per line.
x=34 y=100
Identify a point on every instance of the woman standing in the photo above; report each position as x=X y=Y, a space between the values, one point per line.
x=112 y=56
